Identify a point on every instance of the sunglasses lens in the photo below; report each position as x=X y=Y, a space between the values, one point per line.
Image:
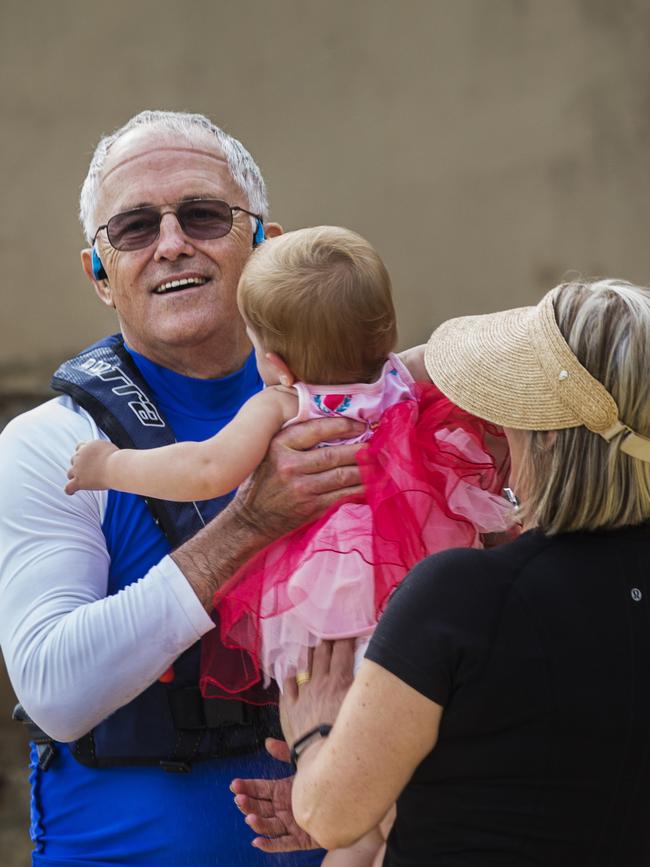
x=201 y=219
x=205 y=219
x=134 y=229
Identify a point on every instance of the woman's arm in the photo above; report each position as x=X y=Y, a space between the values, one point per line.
x=346 y=783
x=190 y=470
x=363 y=853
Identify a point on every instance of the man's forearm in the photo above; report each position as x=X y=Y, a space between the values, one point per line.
x=214 y=554
x=293 y=484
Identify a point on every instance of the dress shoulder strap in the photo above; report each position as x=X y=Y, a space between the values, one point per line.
x=303 y=393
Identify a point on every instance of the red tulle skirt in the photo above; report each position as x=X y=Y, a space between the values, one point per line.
x=432 y=477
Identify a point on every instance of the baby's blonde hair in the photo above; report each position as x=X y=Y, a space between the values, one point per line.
x=321 y=299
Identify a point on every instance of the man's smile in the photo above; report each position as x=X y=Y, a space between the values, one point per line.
x=179 y=283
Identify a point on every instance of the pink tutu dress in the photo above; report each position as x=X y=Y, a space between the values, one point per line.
x=432 y=477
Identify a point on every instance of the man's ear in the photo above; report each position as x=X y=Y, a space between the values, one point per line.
x=285 y=374
x=102 y=287
x=272 y=230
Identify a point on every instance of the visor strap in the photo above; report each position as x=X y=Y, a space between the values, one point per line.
x=632 y=444
x=614 y=430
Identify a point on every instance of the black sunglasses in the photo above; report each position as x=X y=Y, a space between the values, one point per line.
x=200 y=219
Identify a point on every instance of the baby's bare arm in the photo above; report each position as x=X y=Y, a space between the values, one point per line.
x=294 y=484
x=413 y=359
x=190 y=470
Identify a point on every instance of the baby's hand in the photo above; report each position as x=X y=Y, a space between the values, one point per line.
x=88 y=466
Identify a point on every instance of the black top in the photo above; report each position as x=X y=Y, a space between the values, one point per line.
x=539 y=652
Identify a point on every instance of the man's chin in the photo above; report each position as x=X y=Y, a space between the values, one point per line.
x=199 y=344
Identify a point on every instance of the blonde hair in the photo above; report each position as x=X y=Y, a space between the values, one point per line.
x=579 y=481
x=321 y=299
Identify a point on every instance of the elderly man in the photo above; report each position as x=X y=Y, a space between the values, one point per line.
x=99 y=624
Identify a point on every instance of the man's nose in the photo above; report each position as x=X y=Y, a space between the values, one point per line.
x=172 y=241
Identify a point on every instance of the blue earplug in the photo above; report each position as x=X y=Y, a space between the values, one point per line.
x=98 y=268
x=259 y=235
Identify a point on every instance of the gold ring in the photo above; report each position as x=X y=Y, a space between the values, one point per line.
x=303 y=677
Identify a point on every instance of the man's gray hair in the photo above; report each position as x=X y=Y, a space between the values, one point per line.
x=243 y=168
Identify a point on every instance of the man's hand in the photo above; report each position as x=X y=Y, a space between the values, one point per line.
x=293 y=484
x=88 y=466
x=296 y=482
x=267 y=807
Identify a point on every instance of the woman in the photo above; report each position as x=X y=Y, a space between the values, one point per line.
x=504 y=700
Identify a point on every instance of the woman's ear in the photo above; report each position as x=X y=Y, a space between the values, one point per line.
x=285 y=374
x=550 y=438
x=272 y=230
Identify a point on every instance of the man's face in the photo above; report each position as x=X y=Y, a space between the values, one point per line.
x=156 y=168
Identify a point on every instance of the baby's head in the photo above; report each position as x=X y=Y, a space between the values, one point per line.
x=320 y=299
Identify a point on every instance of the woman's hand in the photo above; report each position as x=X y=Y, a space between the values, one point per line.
x=307 y=704
x=346 y=782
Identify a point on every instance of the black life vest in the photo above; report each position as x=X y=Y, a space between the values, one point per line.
x=170 y=725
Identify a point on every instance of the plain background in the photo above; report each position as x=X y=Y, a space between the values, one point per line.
x=487 y=148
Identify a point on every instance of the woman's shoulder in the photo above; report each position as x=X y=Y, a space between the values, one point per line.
x=443 y=616
x=471 y=573
x=514 y=553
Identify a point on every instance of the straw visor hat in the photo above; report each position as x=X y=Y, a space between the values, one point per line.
x=516 y=370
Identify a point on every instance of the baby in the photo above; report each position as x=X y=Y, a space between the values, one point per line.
x=318 y=310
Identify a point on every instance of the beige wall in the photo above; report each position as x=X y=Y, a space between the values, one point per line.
x=485 y=146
